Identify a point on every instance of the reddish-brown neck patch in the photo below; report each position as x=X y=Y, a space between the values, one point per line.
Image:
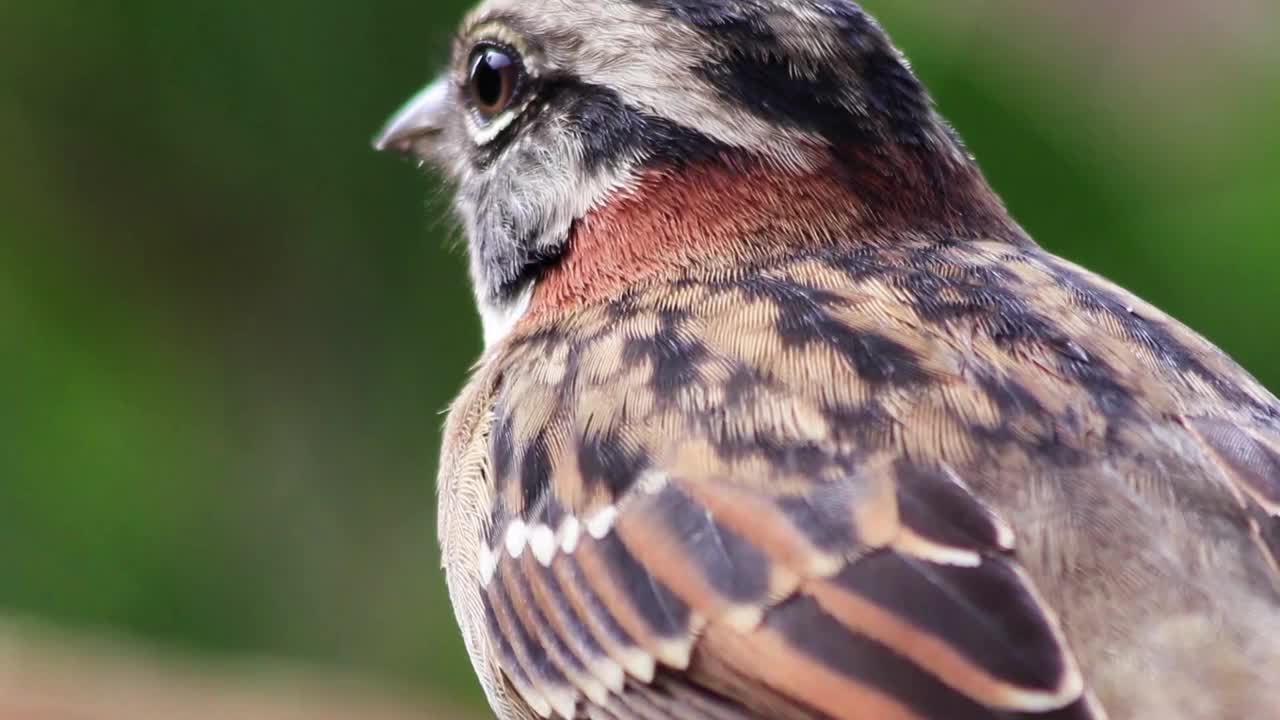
x=723 y=213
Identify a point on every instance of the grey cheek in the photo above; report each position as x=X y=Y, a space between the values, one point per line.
x=496 y=246
x=508 y=220
x=498 y=237
x=519 y=206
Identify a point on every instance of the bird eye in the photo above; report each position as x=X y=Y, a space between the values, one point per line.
x=493 y=80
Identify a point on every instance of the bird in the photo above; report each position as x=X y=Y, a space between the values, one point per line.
x=781 y=415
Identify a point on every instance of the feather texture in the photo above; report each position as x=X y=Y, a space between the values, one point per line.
x=852 y=484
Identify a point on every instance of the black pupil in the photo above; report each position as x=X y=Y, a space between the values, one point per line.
x=490 y=78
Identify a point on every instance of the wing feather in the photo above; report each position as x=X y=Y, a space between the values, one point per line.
x=595 y=673
x=679 y=590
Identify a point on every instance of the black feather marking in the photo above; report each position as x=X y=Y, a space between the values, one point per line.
x=804 y=319
x=743 y=383
x=605 y=461
x=824 y=515
x=757 y=75
x=625 y=306
x=761 y=73
x=734 y=567
x=611 y=131
x=813 y=632
x=535 y=474
x=1155 y=337
x=894 y=92
x=990 y=300
x=551 y=512
x=1013 y=399
x=664 y=613
x=502 y=452
x=556 y=647
x=594 y=606
x=506 y=654
x=498 y=519
x=801 y=458
x=986 y=613
x=521 y=639
x=936 y=507
x=707 y=703
x=579 y=636
x=867 y=425
x=673 y=353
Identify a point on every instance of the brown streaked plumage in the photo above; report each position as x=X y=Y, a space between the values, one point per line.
x=782 y=416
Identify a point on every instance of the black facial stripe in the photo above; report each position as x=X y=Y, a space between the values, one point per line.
x=610 y=130
x=486 y=154
x=758 y=72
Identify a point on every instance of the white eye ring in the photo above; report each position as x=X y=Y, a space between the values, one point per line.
x=495 y=89
x=495 y=75
x=483 y=132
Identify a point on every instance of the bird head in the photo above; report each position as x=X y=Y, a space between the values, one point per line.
x=595 y=143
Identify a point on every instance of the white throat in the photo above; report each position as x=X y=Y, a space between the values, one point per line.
x=498 y=320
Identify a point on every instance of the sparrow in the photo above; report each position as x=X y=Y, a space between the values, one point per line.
x=781 y=415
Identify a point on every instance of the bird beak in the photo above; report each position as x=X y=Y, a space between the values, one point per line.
x=420 y=119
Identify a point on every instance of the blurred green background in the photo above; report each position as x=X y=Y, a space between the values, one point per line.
x=228 y=328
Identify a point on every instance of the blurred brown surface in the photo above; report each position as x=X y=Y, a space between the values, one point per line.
x=45 y=676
